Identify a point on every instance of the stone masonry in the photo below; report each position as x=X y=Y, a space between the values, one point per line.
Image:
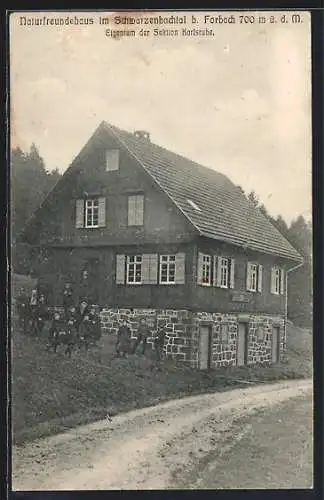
x=176 y=324
x=183 y=329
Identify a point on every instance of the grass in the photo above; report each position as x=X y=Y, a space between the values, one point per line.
x=51 y=393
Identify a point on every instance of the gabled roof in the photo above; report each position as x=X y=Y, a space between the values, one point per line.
x=222 y=211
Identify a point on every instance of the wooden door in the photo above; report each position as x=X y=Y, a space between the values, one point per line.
x=205 y=347
x=275 y=344
x=242 y=344
x=90 y=281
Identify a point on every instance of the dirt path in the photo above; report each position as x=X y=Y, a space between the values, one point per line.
x=152 y=448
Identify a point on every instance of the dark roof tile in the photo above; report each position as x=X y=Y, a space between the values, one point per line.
x=225 y=213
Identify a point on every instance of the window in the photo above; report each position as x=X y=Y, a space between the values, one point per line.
x=224 y=272
x=134 y=269
x=167 y=269
x=254 y=277
x=92 y=213
x=136 y=210
x=204 y=269
x=277 y=280
x=112 y=160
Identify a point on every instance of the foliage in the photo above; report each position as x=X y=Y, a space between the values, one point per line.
x=30 y=183
x=300 y=286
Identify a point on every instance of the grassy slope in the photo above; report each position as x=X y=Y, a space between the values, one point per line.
x=51 y=393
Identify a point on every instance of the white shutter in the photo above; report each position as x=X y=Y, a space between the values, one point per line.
x=139 y=210
x=218 y=270
x=149 y=268
x=232 y=273
x=273 y=280
x=248 y=276
x=180 y=268
x=131 y=211
x=200 y=268
x=215 y=262
x=102 y=212
x=112 y=159
x=120 y=269
x=79 y=213
x=260 y=269
x=282 y=281
x=153 y=268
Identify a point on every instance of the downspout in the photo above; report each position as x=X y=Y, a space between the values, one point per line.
x=286 y=298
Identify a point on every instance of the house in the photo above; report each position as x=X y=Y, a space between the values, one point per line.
x=142 y=231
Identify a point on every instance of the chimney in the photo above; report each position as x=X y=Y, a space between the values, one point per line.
x=142 y=134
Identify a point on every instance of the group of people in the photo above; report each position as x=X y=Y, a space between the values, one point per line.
x=75 y=323
x=32 y=311
x=80 y=323
x=123 y=344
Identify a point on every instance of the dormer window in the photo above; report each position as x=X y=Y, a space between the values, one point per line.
x=112 y=160
x=194 y=205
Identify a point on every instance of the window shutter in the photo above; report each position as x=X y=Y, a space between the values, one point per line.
x=218 y=270
x=120 y=269
x=273 y=280
x=248 y=276
x=112 y=159
x=180 y=268
x=102 y=212
x=282 y=281
x=232 y=274
x=79 y=213
x=215 y=261
x=131 y=210
x=153 y=268
x=149 y=268
x=139 y=205
x=200 y=268
x=260 y=269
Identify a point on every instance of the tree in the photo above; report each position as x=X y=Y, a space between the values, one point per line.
x=300 y=235
x=30 y=183
x=300 y=286
x=253 y=198
x=280 y=224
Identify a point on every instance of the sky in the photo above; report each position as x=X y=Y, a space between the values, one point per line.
x=238 y=102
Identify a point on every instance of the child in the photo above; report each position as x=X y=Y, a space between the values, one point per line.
x=56 y=326
x=123 y=339
x=159 y=343
x=94 y=319
x=143 y=333
x=67 y=297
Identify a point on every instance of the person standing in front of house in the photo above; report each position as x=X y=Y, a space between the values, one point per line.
x=67 y=298
x=143 y=333
x=123 y=339
x=159 y=340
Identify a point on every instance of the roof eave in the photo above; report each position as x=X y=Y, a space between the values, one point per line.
x=296 y=257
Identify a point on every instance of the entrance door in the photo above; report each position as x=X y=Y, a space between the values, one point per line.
x=275 y=344
x=90 y=281
x=242 y=344
x=205 y=347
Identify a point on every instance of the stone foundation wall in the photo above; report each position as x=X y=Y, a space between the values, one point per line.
x=177 y=325
x=224 y=334
x=183 y=331
x=224 y=328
